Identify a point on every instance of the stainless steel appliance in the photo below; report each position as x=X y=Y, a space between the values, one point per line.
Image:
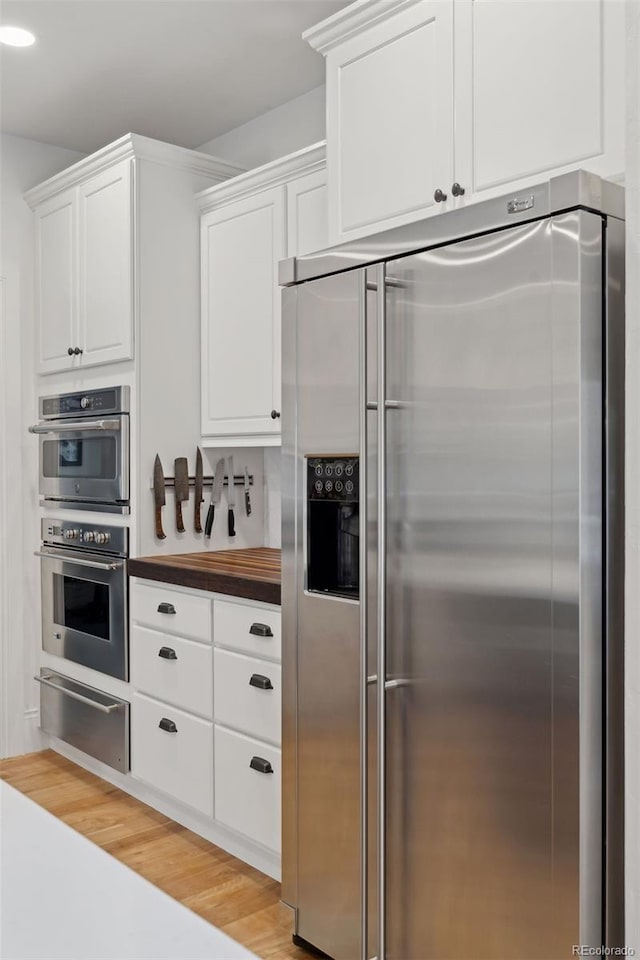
x=452 y=727
x=84 y=449
x=89 y=719
x=85 y=594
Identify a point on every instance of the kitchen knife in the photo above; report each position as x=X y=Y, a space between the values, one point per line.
x=159 y=497
x=247 y=498
x=216 y=496
x=197 y=520
x=181 y=481
x=231 y=498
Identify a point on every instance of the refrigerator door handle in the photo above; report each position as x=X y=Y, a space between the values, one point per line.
x=381 y=611
x=364 y=625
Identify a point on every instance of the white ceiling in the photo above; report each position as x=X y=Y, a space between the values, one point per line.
x=183 y=71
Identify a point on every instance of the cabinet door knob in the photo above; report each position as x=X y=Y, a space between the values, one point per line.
x=77 y=351
x=275 y=414
x=70 y=351
x=260 y=630
x=166 y=608
x=260 y=681
x=167 y=653
x=457 y=190
x=439 y=196
x=168 y=725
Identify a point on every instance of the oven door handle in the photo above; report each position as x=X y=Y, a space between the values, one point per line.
x=111 y=565
x=102 y=707
x=85 y=426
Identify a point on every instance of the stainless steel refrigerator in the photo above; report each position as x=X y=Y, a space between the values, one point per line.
x=453 y=582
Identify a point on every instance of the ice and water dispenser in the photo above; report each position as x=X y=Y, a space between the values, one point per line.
x=333 y=525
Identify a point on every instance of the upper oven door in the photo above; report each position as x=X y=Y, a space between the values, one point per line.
x=85 y=610
x=85 y=460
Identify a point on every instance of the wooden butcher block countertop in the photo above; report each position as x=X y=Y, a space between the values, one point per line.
x=253 y=573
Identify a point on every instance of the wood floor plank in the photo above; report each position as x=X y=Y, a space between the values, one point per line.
x=223 y=890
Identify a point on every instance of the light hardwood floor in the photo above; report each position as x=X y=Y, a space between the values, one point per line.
x=228 y=893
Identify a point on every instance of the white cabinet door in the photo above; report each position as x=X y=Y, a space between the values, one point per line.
x=307 y=214
x=539 y=91
x=106 y=266
x=241 y=244
x=56 y=292
x=390 y=121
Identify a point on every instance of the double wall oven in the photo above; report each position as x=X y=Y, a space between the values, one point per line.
x=84 y=466
x=84 y=449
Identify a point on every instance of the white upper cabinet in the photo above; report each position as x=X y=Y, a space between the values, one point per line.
x=432 y=104
x=390 y=120
x=90 y=278
x=241 y=246
x=248 y=225
x=307 y=214
x=56 y=300
x=539 y=91
x=106 y=266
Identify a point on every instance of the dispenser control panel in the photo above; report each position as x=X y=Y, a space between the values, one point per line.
x=333 y=478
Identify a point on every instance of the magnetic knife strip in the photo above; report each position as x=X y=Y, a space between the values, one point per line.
x=238 y=481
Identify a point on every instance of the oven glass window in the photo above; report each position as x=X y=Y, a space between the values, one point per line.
x=89 y=457
x=81 y=605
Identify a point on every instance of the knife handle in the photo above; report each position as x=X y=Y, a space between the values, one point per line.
x=247 y=503
x=179 y=520
x=232 y=523
x=160 y=534
x=208 y=525
x=197 y=522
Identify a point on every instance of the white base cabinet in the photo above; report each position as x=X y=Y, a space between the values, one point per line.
x=173 y=751
x=206 y=711
x=433 y=104
x=247 y=226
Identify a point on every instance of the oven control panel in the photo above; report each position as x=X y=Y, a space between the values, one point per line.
x=87 y=403
x=86 y=536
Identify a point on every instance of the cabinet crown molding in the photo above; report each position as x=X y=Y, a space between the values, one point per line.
x=352 y=20
x=132 y=145
x=271 y=174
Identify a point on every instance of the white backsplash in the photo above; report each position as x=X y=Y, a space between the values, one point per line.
x=272 y=496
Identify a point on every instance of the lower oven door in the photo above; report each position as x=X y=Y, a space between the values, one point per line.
x=85 y=461
x=85 y=610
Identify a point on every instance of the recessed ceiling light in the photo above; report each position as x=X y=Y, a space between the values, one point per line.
x=16 y=37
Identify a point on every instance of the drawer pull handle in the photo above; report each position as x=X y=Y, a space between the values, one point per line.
x=260 y=681
x=166 y=608
x=262 y=766
x=261 y=630
x=167 y=653
x=168 y=725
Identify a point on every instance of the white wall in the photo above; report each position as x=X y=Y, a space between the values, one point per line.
x=23 y=163
x=274 y=134
x=632 y=625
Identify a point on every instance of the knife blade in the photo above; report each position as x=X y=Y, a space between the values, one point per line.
x=181 y=481
x=199 y=499
x=247 y=498
x=231 y=498
x=216 y=496
x=159 y=496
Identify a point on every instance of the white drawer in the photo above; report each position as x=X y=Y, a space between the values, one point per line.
x=170 y=611
x=179 y=763
x=243 y=704
x=173 y=669
x=246 y=799
x=249 y=629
